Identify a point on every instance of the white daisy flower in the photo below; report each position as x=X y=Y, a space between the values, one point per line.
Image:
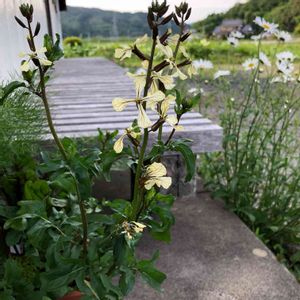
x=233 y=41
x=283 y=36
x=203 y=64
x=237 y=35
x=285 y=56
x=250 y=64
x=282 y=79
x=267 y=26
x=285 y=67
x=264 y=59
x=221 y=73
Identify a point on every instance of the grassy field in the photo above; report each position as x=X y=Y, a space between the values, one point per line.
x=219 y=52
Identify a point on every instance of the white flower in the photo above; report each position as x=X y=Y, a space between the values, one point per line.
x=126 y=51
x=143 y=120
x=166 y=50
x=250 y=64
x=285 y=67
x=203 y=64
x=267 y=26
x=233 y=41
x=119 y=144
x=237 y=34
x=257 y=37
x=285 y=56
x=221 y=73
x=172 y=120
x=192 y=90
x=283 y=36
x=264 y=59
x=283 y=78
x=156 y=175
x=132 y=228
x=38 y=54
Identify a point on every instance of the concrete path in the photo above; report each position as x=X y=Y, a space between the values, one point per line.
x=214 y=256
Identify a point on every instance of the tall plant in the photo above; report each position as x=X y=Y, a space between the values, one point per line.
x=69 y=239
x=258 y=173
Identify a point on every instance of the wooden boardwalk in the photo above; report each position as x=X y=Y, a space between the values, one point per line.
x=81 y=94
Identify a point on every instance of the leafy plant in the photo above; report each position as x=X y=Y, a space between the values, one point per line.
x=257 y=175
x=68 y=239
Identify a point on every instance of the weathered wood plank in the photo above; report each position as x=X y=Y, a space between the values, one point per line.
x=81 y=94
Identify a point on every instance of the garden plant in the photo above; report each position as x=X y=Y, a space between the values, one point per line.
x=56 y=236
x=257 y=174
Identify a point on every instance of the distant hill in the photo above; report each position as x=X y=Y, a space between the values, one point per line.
x=284 y=12
x=91 y=22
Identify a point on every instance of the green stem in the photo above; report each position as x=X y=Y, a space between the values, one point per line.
x=43 y=95
x=137 y=189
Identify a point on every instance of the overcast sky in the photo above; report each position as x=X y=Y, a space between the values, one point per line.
x=201 y=8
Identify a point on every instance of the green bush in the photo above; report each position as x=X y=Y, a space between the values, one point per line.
x=258 y=174
x=73 y=41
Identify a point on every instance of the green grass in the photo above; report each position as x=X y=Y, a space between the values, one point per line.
x=219 y=52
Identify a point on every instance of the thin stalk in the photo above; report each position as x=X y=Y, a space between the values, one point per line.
x=43 y=95
x=136 y=191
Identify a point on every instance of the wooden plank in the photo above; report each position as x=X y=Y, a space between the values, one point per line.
x=81 y=95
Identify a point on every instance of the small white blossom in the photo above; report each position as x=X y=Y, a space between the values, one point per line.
x=237 y=35
x=283 y=36
x=285 y=56
x=250 y=64
x=203 y=64
x=156 y=175
x=267 y=26
x=264 y=59
x=221 y=73
x=233 y=41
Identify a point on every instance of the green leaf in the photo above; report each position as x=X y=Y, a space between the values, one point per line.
x=13 y=237
x=127 y=281
x=295 y=258
x=150 y=274
x=7 y=295
x=120 y=250
x=10 y=88
x=188 y=155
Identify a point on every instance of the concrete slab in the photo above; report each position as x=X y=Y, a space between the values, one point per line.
x=214 y=256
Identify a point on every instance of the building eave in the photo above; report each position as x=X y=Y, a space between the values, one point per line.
x=62 y=5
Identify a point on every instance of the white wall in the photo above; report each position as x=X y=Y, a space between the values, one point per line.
x=13 y=37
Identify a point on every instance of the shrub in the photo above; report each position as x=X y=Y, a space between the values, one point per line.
x=73 y=41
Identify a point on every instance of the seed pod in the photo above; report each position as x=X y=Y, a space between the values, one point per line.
x=20 y=22
x=134 y=141
x=139 y=53
x=27 y=11
x=31 y=46
x=167 y=19
x=163 y=11
x=150 y=21
x=161 y=66
x=165 y=36
x=184 y=7
x=178 y=11
x=150 y=14
x=185 y=36
x=176 y=20
x=158 y=123
x=184 y=63
x=36 y=62
x=188 y=14
x=37 y=29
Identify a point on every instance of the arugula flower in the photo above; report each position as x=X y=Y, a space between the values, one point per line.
x=156 y=175
x=25 y=66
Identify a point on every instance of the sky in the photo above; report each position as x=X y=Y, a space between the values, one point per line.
x=201 y=8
